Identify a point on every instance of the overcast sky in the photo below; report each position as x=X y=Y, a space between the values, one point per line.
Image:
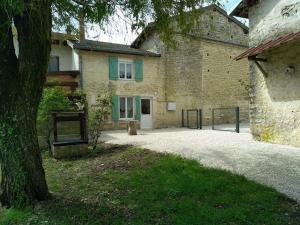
x=120 y=32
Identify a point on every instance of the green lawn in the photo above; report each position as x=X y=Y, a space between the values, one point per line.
x=126 y=185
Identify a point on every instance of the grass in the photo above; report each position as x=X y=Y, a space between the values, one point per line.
x=127 y=185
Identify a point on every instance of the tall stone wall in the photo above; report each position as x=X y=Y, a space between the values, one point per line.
x=225 y=82
x=201 y=72
x=275 y=94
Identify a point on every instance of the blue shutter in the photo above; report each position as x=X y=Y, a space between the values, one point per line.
x=137 y=107
x=113 y=67
x=115 y=108
x=138 y=64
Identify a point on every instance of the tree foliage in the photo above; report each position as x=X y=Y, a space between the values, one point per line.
x=164 y=13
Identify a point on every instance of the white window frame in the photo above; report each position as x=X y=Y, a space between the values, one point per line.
x=126 y=111
x=126 y=62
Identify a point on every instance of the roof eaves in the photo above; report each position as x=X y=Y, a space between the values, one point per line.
x=268 y=45
x=119 y=51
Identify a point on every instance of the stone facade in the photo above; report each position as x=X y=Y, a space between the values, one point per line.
x=275 y=94
x=201 y=73
x=95 y=73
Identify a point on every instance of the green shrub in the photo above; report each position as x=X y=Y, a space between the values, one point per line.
x=98 y=114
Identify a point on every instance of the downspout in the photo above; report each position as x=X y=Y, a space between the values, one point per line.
x=81 y=71
x=81 y=38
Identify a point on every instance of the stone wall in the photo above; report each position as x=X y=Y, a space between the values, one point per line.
x=275 y=94
x=275 y=97
x=203 y=75
x=225 y=82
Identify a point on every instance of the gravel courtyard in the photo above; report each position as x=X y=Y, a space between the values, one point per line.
x=273 y=165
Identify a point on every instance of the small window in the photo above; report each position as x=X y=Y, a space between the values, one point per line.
x=126 y=108
x=53 y=64
x=125 y=70
x=122 y=69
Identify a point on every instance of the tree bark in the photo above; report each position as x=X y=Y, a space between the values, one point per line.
x=21 y=84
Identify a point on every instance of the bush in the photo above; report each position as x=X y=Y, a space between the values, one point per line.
x=98 y=114
x=53 y=99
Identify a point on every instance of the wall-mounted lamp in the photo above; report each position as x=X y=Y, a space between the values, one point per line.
x=290 y=70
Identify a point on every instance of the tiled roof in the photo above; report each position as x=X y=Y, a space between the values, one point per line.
x=98 y=46
x=268 y=45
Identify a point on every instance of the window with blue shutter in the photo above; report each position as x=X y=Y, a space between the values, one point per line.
x=138 y=108
x=113 y=67
x=115 y=108
x=138 y=64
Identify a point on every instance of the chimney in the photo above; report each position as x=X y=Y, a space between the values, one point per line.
x=81 y=28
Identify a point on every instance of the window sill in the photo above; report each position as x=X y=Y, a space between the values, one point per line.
x=126 y=79
x=126 y=120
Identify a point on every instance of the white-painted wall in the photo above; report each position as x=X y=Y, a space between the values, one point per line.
x=68 y=58
x=273 y=18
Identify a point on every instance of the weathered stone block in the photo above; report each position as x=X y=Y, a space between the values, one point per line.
x=62 y=150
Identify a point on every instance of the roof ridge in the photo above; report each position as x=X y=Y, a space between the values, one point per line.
x=106 y=42
x=91 y=45
x=220 y=10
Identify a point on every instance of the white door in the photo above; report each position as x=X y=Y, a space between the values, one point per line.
x=146 y=113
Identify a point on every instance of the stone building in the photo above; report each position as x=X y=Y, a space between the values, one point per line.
x=201 y=73
x=153 y=83
x=274 y=68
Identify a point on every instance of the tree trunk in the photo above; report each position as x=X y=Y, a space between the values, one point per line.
x=21 y=84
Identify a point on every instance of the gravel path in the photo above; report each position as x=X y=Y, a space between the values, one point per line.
x=273 y=165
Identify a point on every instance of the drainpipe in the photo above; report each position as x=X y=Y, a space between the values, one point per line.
x=81 y=38
x=81 y=72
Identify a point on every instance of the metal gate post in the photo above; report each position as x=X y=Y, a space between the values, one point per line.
x=187 y=119
x=200 y=116
x=197 y=118
x=237 y=113
x=182 y=118
x=213 y=119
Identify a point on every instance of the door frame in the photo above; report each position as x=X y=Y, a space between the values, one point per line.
x=151 y=112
